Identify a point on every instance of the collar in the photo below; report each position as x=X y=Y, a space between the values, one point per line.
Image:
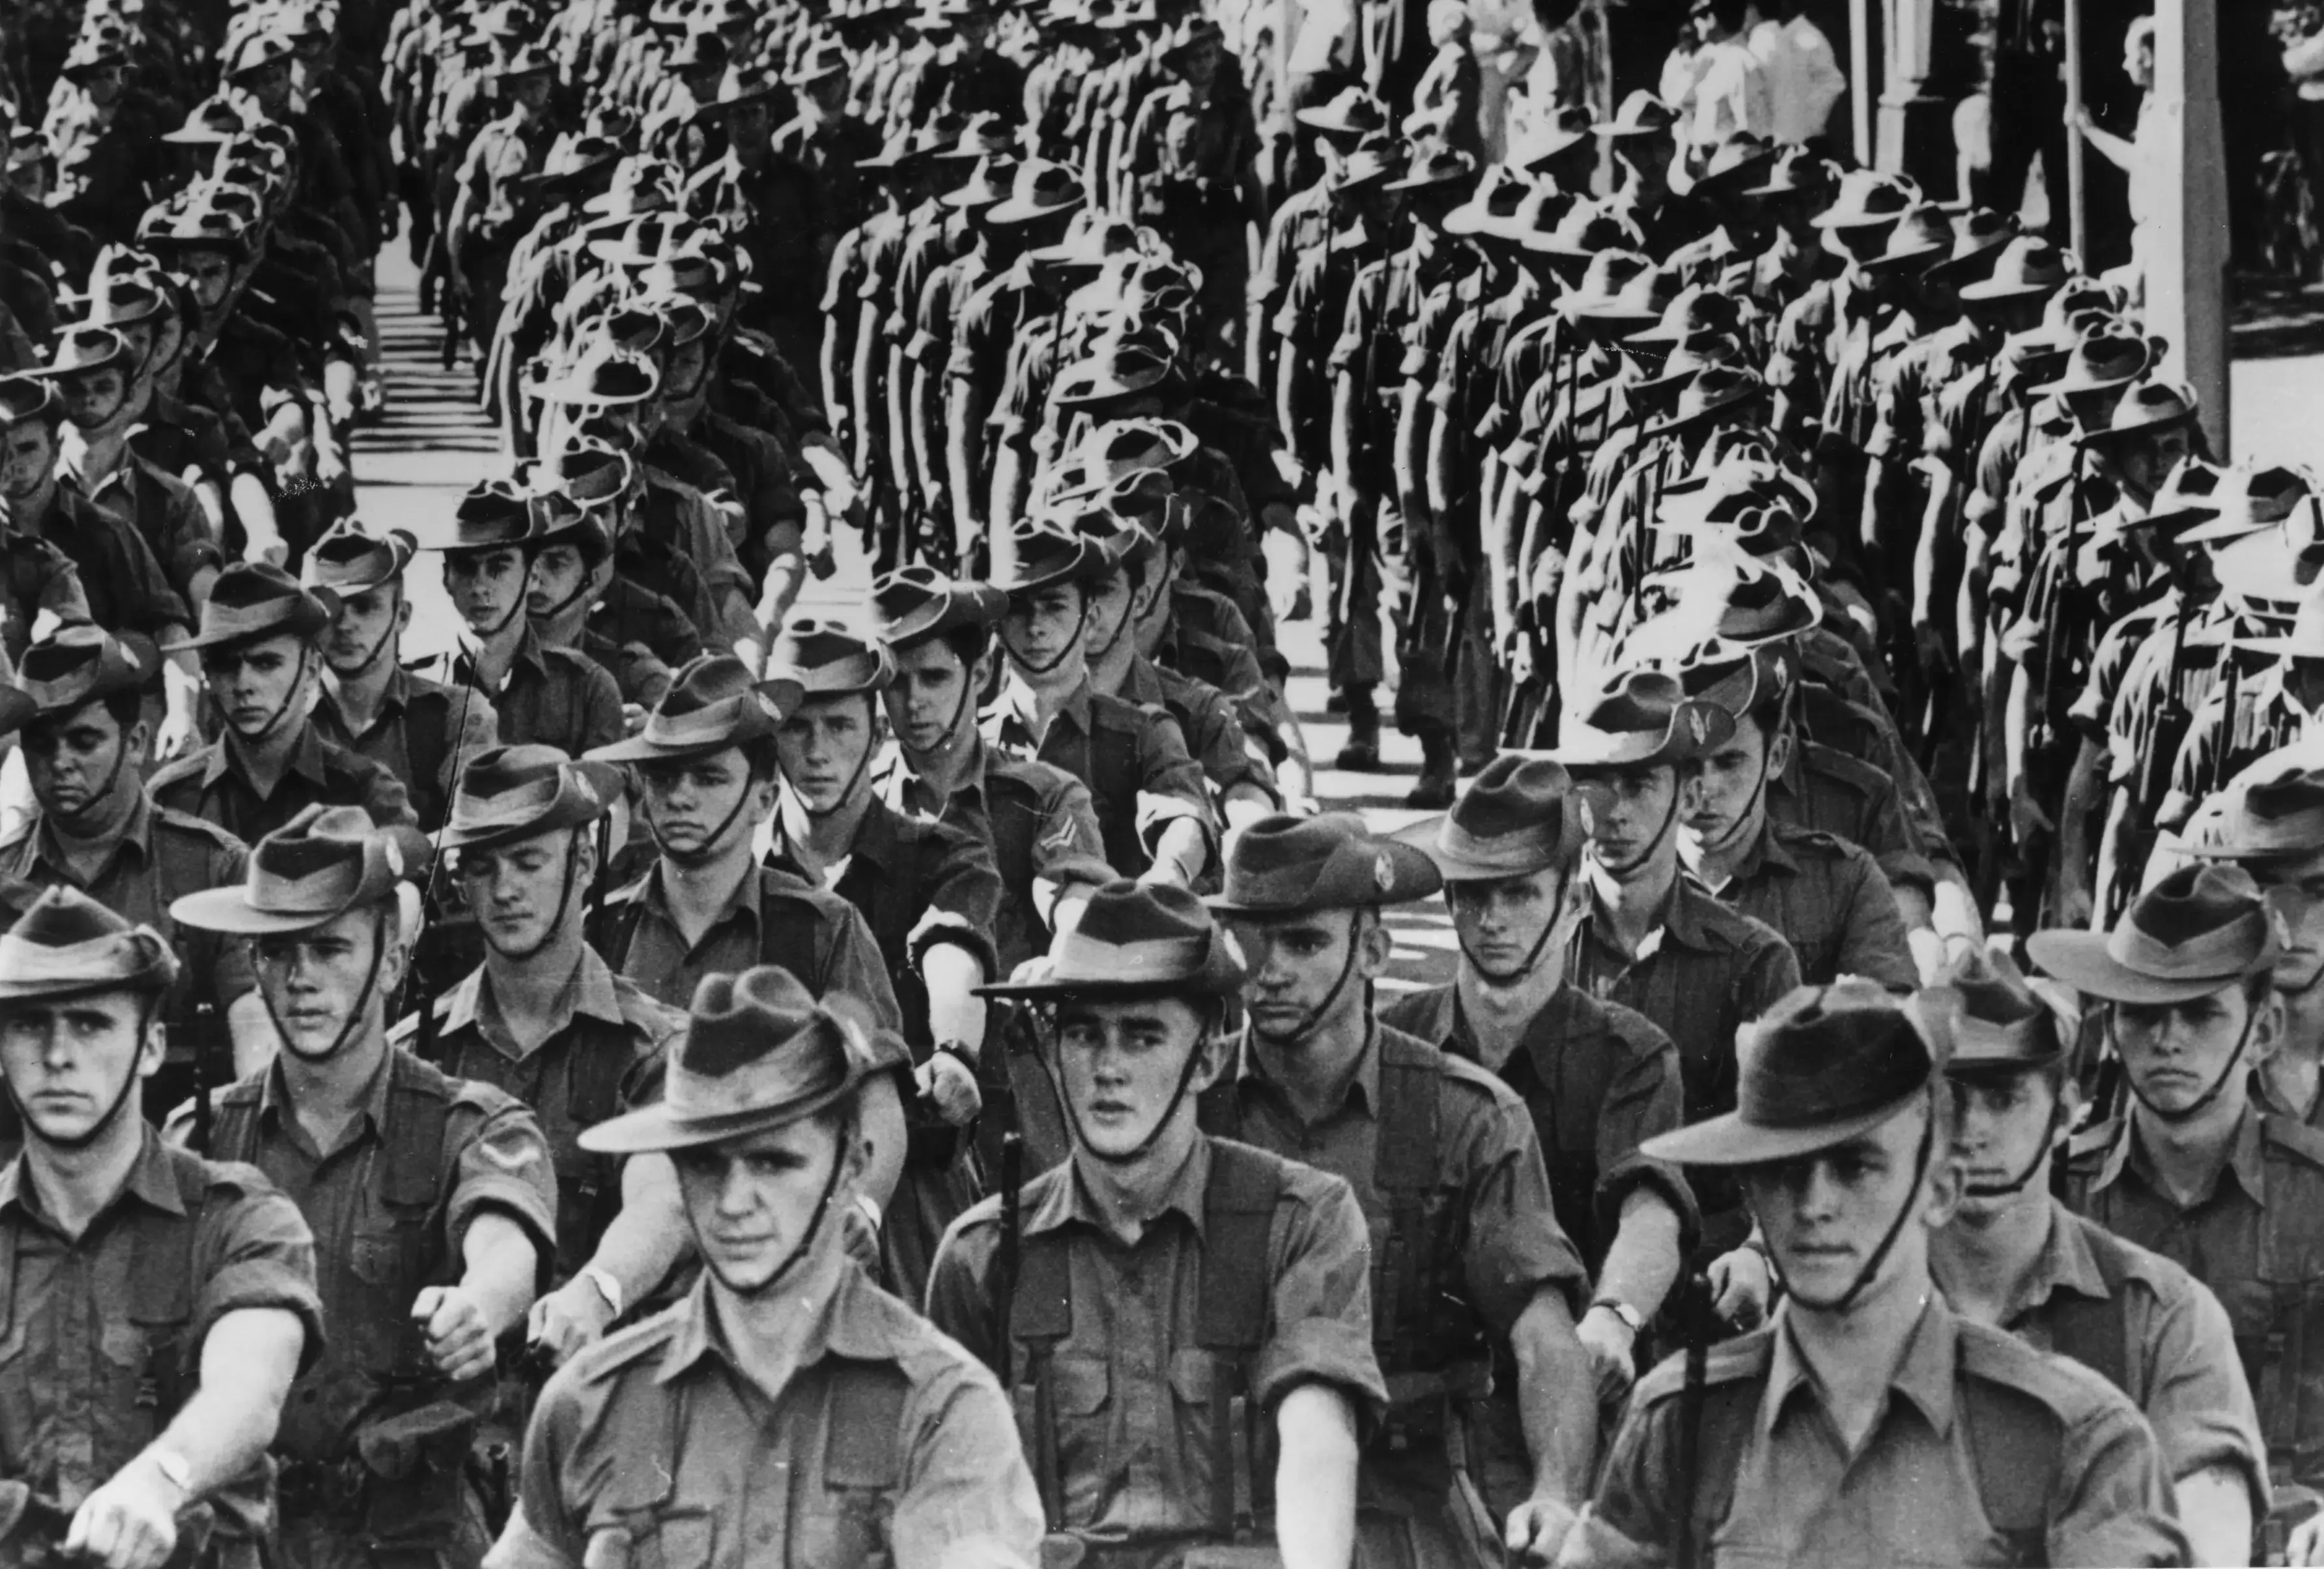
x=1360 y=1092
x=1017 y=707
x=903 y=788
x=845 y=1325
x=2246 y=1159
x=1068 y=1202
x=1144 y=684
x=2066 y=1263
x=588 y=991
x=151 y=1182
x=1925 y=1374
x=743 y=901
x=393 y=698
x=137 y=834
x=274 y=1094
x=306 y=757
x=1766 y=851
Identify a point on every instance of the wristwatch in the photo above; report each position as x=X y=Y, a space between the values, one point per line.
x=172 y=1464
x=1632 y=1319
x=607 y=1287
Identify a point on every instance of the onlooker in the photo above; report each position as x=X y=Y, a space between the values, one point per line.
x=1804 y=75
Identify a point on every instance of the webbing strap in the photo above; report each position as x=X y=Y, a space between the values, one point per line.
x=419 y=1105
x=2091 y=1330
x=866 y=1408
x=1404 y=1169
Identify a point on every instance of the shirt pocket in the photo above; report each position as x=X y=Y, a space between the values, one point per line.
x=1089 y=1457
x=686 y=1540
x=842 y=1528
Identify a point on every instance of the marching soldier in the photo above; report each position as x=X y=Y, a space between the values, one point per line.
x=1963 y=1442
x=487 y=217
x=1261 y=1325
x=434 y=1200
x=787 y=1411
x=1474 y=1286
x=2014 y=1256
x=164 y=1303
x=417 y=729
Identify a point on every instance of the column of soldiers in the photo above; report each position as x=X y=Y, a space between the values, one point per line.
x=924 y=1078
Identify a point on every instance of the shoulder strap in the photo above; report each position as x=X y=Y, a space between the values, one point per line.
x=1405 y=1167
x=2017 y=1464
x=419 y=1106
x=791 y=934
x=645 y=1420
x=866 y=1421
x=234 y=1125
x=2091 y=1330
x=1726 y=1412
x=1238 y=1211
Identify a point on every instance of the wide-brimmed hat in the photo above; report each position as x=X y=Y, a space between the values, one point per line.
x=1695 y=353
x=2272 y=808
x=1642 y=299
x=1547 y=224
x=25 y=399
x=349 y=558
x=1978 y=232
x=1048 y=553
x=2006 y=1022
x=1352 y=112
x=825 y=57
x=1192 y=33
x=2100 y=361
x=494 y=514
x=713 y=703
x=2250 y=500
x=1921 y=233
x=1867 y=198
x=2147 y=406
x=68 y=943
x=2302 y=640
x=1697 y=308
x=1495 y=201
x=2185 y=496
x=2200 y=929
x=1039 y=189
x=255 y=53
x=913 y=604
x=605 y=376
x=122 y=299
x=759 y=1052
x=1568 y=127
x=1796 y=171
x=1644 y=717
x=527 y=60
x=1120 y=448
x=1825 y=1065
x=1519 y=818
x=1134 y=940
x=1602 y=282
x=1286 y=866
x=1738 y=157
x=2028 y=267
x=987 y=185
x=642 y=184
x=75 y=665
x=700 y=51
x=1715 y=390
x=828 y=659
x=1120 y=366
x=508 y=793
x=80 y=350
x=1723 y=498
x=1642 y=113
x=2273 y=564
x=1435 y=165
x=741 y=87
x=309 y=871
x=252 y=600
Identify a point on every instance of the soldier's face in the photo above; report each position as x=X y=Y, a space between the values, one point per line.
x=1502 y=923
x=824 y=748
x=211 y=275
x=139 y=339
x=251 y=683
x=81 y=760
x=1199 y=64
x=1120 y=1063
x=103 y=85
x=365 y=623
x=2175 y=1052
x=682 y=378
x=522 y=891
x=747 y=124
x=28 y=456
x=316 y=981
x=1633 y=810
x=1824 y=1215
x=1110 y=605
x=69 y=1061
x=93 y=397
x=531 y=91
x=687 y=802
x=485 y=586
x=1311 y=966
x=557 y=573
x=751 y=1202
x=928 y=701
x=1733 y=781
x=2294 y=886
x=2003 y=1123
x=269 y=84
x=1043 y=625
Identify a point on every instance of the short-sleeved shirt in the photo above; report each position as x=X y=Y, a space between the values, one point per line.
x=1133 y=759
x=213 y=784
x=123 y=583
x=748 y=1479
x=1212 y=729
x=492 y=1158
x=2256 y=1238
x=165 y=514
x=2179 y=1369
x=421 y=724
x=160 y=856
x=550 y=697
x=642 y=941
x=70 y=1416
x=608 y=1045
x=1133 y=1457
x=1853 y=799
x=1909 y=1492
x=1830 y=900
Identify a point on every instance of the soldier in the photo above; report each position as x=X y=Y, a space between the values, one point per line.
x=2016 y=1258
x=434 y=1201
x=1475 y=1286
x=546 y=1020
x=787 y=1409
x=1263 y=1323
x=579 y=599
x=2186 y=983
x=258 y=645
x=165 y=1302
x=417 y=729
x=484 y=226
x=928 y=889
x=550 y=697
x=1961 y=1441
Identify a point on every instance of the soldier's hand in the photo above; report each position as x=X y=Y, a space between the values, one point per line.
x=2305 y=1545
x=2027 y=820
x=1612 y=1346
x=573 y=1315
x=946 y=1083
x=633 y=718
x=859 y=1233
x=129 y=1523
x=459 y=1337
x=1741 y=1287
x=1537 y=1529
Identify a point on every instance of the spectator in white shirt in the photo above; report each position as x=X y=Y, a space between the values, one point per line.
x=1730 y=91
x=1803 y=77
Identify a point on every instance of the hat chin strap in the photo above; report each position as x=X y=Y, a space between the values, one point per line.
x=1130 y=1157
x=801 y=1249
x=1750 y=807
x=863 y=766
x=2033 y=1167
x=103 y=792
x=1670 y=821
x=564 y=902
x=282 y=711
x=702 y=856
x=1846 y=1298
x=1081 y=626
x=96 y=1130
x=379 y=647
x=355 y=1013
x=2189 y=1111
x=1531 y=959
x=1316 y=1015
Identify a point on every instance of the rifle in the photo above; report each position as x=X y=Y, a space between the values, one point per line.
x=1698 y=1325
x=33 y=1527
x=1012 y=1224
x=201 y=1032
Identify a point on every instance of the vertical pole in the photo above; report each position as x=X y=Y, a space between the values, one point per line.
x=2075 y=195
x=1860 y=78
x=2182 y=240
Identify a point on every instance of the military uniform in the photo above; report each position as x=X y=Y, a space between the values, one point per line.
x=1828 y=900
x=124 y=585
x=1133 y=759
x=550 y=696
x=414 y=737
x=214 y=784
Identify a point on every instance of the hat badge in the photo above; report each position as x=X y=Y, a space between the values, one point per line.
x=1697 y=726
x=1383 y=871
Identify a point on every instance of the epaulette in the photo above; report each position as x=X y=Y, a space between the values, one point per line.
x=1730 y=1362
x=1817 y=839
x=186 y=823
x=187 y=766
x=1828 y=762
x=2093 y=1141
x=621 y=1349
x=2293 y=1136
x=656 y=1022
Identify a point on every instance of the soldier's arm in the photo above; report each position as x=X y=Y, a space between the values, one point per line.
x=1316 y=1367
x=1315 y=1478
x=1174 y=806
